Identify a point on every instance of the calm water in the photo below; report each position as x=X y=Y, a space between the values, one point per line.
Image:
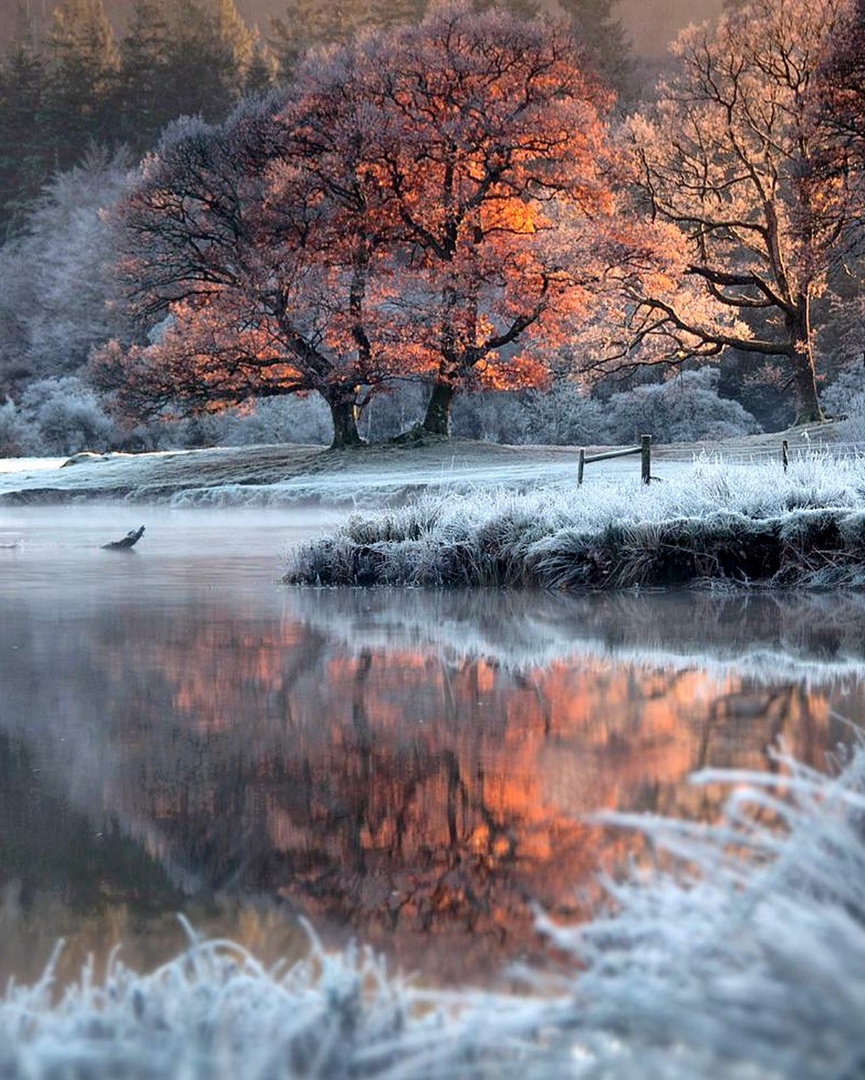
x=178 y=733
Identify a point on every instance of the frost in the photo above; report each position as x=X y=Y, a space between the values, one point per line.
x=713 y=522
x=739 y=956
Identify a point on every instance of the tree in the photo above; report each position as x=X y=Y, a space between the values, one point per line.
x=24 y=151
x=142 y=105
x=56 y=278
x=257 y=263
x=209 y=52
x=391 y=214
x=840 y=114
x=596 y=25
x=82 y=67
x=732 y=158
x=307 y=24
x=494 y=138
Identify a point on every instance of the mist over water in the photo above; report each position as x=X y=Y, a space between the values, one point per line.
x=60 y=548
x=178 y=732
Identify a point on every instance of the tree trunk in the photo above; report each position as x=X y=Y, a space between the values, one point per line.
x=438 y=411
x=343 y=413
x=809 y=409
x=802 y=359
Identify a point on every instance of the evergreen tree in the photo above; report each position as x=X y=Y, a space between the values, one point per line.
x=307 y=23
x=143 y=108
x=523 y=9
x=209 y=52
x=262 y=71
x=82 y=69
x=24 y=152
x=605 y=38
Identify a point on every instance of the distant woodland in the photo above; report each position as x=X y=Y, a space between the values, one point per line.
x=649 y=24
x=78 y=74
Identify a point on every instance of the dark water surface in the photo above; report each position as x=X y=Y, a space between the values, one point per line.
x=178 y=733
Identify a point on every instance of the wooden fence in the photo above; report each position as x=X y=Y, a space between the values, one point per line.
x=644 y=450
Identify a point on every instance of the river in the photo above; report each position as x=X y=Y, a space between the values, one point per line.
x=181 y=734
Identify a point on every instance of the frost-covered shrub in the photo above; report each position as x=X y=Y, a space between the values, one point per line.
x=566 y=415
x=853 y=428
x=686 y=408
x=562 y=415
x=843 y=396
x=392 y=411
x=277 y=420
x=270 y=420
x=491 y=417
x=17 y=437
x=68 y=416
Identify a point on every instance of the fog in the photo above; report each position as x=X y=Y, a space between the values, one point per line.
x=653 y=24
x=40 y=547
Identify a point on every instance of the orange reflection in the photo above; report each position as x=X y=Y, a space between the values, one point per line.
x=423 y=801
x=416 y=790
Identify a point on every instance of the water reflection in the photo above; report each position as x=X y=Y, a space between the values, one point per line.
x=411 y=767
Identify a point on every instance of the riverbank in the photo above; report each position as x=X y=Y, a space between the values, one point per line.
x=711 y=523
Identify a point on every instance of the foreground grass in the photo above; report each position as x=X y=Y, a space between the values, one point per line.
x=741 y=524
x=744 y=958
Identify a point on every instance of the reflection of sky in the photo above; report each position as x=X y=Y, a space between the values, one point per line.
x=411 y=765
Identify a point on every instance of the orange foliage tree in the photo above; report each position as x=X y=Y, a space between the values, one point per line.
x=257 y=271
x=840 y=114
x=495 y=141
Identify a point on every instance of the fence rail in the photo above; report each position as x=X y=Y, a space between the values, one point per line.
x=644 y=450
x=744 y=455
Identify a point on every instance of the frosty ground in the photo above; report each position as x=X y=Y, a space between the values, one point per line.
x=366 y=476
x=744 y=958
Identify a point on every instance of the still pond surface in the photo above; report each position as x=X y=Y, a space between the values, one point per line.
x=179 y=733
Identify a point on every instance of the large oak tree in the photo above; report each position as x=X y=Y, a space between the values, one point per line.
x=256 y=274
x=495 y=139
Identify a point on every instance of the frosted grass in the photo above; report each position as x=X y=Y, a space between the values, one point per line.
x=749 y=959
x=740 y=955
x=713 y=522
x=214 y=1012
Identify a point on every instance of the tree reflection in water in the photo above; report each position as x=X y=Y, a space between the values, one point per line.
x=412 y=768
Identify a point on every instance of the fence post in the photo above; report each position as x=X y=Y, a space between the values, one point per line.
x=581 y=465
x=646 y=458
x=785 y=456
